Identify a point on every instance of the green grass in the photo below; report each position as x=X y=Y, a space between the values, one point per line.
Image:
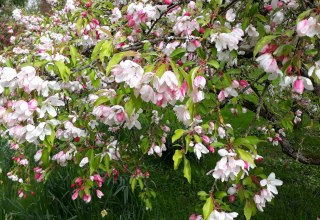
x=298 y=199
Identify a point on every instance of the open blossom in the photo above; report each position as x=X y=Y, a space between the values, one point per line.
x=133 y=121
x=200 y=149
x=157 y=149
x=227 y=167
x=7 y=76
x=271 y=182
x=147 y=93
x=167 y=88
x=84 y=161
x=116 y=15
x=114 y=115
x=230 y=15
x=261 y=199
x=63 y=157
x=227 y=40
x=220 y=215
x=268 y=63
x=308 y=27
x=48 y=106
x=185 y=26
x=182 y=114
x=129 y=72
x=22 y=111
x=315 y=69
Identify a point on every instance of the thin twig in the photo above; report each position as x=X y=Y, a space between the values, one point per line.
x=163 y=14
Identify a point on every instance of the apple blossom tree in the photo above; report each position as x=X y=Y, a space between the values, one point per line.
x=103 y=85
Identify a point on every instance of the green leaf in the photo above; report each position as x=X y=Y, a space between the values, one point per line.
x=141 y=183
x=178 y=53
x=202 y=194
x=146 y=45
x=220 y=194
x=311 y=52
x=74 y=54
x=145 y=145
x=177 y=158
x=177 y=134
x=207 y=208
x=106 y=50
x=245 y=156
x=79 y=24
x=161 y=69
x=129 y=107
x=133 y=184
x=187 y=169
x=96 y=50
x=262 y=42
x=247 y=210
x=197 y=138
x=64 y=70
x=214 y=63
x=217 y=144
x=106 y=161
x=45 y=156
x=100 y=101
x=303 y=15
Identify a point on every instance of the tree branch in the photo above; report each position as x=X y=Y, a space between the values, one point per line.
x=287 y=147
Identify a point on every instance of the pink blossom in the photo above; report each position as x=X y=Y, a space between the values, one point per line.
x=75 y=194
x=32 y=105
x=221 y=96
x=298 y=86
x=99 y=194
x=86 y=198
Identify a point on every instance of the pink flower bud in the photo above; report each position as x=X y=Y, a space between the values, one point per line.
x=32 y=105
x=75 y=195
x=84 y=14
x=167 y=2
x=99 y=193
x=202 y=30
x=243 y=83
x=211 y=124
x=89 y=4
x=87 y=198
x=205 y=139
x=211 y=149
x=193 y=217
x=232 y=198
x=131 y=23
x=279 y=4
x=196 y=43
x=268 y=8
x=298 y=86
